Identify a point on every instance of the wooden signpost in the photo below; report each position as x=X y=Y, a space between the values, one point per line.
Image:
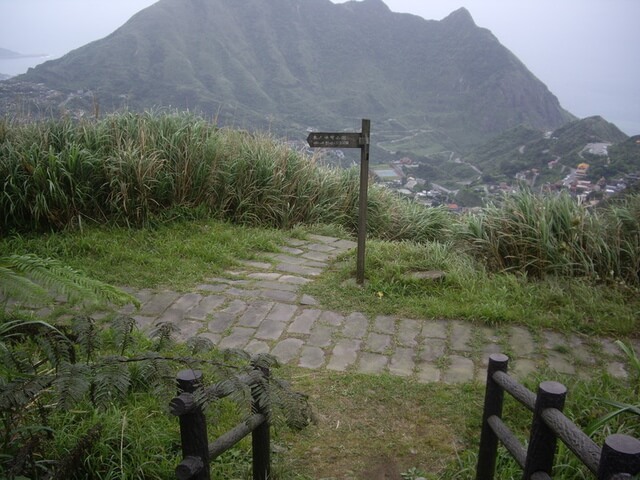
x=352 y=140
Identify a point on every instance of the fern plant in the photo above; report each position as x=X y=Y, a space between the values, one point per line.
x=48 y=370
x=39 y=368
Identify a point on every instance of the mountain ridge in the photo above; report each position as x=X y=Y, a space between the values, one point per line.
x=293 y=64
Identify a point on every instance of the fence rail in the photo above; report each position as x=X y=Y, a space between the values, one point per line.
x=618 y=459
x=197 y=453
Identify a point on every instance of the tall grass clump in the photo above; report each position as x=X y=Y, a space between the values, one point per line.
x=619 y=226
x=130 y=168
x=540 y=235
x=391 y=217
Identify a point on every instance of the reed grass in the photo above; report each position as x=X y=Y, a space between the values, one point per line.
x=129 y=168
x=540 y=236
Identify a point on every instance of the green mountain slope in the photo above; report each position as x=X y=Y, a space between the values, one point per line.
x=523 y=148
x=292 y=64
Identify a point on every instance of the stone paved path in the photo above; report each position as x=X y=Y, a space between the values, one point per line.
x=260 y=309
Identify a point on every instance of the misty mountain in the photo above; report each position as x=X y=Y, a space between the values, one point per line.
x=292 y=64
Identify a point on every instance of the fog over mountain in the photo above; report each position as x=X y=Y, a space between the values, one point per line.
x=584 y=50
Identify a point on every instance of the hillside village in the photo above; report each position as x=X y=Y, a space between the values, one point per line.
x=398 y=177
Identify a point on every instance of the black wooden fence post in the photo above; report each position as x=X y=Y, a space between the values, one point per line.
x=493 y=400
x=620 y=454
x=261 y=436
x=542 y=441
x=193 y=428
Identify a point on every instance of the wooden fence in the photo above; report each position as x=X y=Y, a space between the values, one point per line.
x=618 y=459
x=196 y=451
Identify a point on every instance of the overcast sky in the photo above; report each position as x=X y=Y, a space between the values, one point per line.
x=585 y=51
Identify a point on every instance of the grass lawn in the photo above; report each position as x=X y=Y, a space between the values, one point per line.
x=366 y=426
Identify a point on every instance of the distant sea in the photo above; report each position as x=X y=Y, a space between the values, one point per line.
x=16 y=66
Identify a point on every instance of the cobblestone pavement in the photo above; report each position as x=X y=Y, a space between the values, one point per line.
x=260 y=309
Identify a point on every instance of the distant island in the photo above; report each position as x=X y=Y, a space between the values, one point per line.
x=6 y=54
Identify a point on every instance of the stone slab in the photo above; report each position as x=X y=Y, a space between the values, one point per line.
x=206 y=306
x=312 y=357
x=428 y=373
x=344 y=355
x=432 y=349
x=384 y=324
x=408 y=331
x=299 y=270
x=434 y=329
x=321 y=335
x=461 y=369
x=238 y=338
x=521 y=341
x=282 y=312
x=378 y=342
x=279 y=295
x=288 y=349
x=331 y=318
x=220 y=322
x=270 y=330
x=461 y=334
x=402 y=362
x=372 y=363
x=255 y=314
x=356 y=325
x=303 y=323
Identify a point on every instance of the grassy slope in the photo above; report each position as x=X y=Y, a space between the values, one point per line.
x=177 y=254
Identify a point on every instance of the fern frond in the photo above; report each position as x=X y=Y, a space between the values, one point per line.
x=13 y=331
x=156 y=373
x=262 y=396
x=293 y=406
x=123 y=327
x=56 y=348
x=164 y=332
x=230 y=354
x=21 y=392
x=16 y=286
x=111 y=381
x=15 y=363
x=87 y=335
x=264 y=360
x=199 y=345
x=71 y=384
x=41 y=277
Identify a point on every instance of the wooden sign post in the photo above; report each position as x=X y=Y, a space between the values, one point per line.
x=352 y=140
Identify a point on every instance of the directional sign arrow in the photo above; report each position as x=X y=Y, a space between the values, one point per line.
x=334 y=140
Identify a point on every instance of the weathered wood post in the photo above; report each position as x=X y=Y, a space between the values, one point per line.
x=364 y=189
x=193 y=428
x=620 y=458
x=261 y=436
x=493 y=401
x=542 y=440
x=352 y=140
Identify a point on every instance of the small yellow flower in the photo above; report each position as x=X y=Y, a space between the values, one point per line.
x=379 y=294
